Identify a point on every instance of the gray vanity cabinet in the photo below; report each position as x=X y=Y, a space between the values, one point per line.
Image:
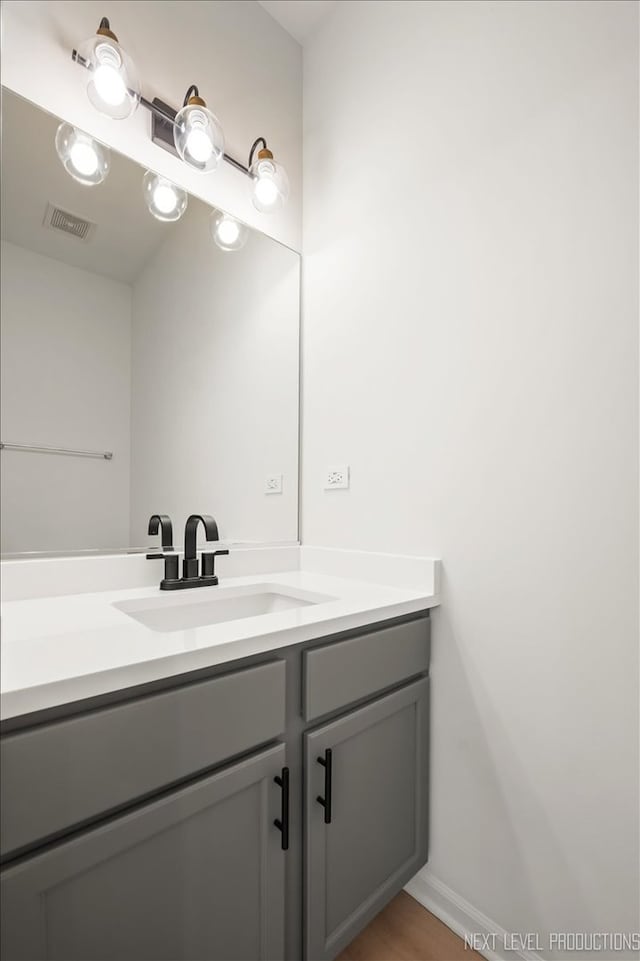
x=142 y=828
x=369 y=768
x=197 y=873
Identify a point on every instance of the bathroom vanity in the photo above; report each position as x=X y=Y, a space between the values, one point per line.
x=234 y=772
x=266 y=806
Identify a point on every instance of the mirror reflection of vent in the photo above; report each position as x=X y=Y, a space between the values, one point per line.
x=57 y=219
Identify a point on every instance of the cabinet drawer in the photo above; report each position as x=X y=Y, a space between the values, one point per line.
x=347 y=671
x=56 y=776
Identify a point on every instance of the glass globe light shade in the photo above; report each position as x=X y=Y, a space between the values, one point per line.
x=198 y=136
x=113 y=86
x=269 y=183
x=86 y=160
x=227 y=232
x=165 y=201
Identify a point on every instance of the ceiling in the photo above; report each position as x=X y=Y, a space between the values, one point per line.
x=300 y=18
x=126 y=235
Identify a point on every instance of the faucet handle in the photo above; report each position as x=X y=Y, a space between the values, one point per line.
x=170 y=567
x=209 y=560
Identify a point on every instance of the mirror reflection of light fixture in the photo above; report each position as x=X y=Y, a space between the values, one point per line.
x=113 y=86
x=164 y=199
x=269 y=184
x=227 y=232
x=197 y=133
x=86 y=160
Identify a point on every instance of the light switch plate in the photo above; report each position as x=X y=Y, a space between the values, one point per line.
x=273 y=484
x=336 y=477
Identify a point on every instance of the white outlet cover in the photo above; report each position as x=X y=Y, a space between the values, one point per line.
x=336 y=477
x=273 y=484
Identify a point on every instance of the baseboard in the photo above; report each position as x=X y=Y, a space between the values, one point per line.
x=464 y=919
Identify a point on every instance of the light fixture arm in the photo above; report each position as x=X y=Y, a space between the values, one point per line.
x=254 y=147
x=191 y=92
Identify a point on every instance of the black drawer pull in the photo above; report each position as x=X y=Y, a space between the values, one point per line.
x=325 y=801
x=282 y=823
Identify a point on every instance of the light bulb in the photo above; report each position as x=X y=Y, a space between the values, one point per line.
x=112 y=86
x=269 y=184
x=164 y=197
x=86 y=160
x=228 y=233
x=199 y=145
x=165 y=200
x=198 y=135
x=266 y=191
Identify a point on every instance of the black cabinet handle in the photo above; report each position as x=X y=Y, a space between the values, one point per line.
x=325 y=801
x=282 y=823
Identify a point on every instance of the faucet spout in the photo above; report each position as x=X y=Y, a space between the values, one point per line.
x=163 y=523
x=190 y=564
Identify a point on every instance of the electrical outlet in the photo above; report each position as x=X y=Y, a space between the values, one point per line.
x=273 y=484
x=336 y=478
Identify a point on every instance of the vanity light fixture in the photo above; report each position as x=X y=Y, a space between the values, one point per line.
x=269 y=184
x=227 y=232
x=197 y=133
x=165 y=200
x=86 y=160
x=112 y=87
x=193 y=132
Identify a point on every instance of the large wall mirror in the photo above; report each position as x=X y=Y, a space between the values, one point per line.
x=144 y=340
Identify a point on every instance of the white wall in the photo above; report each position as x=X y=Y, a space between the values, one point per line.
x=247 y=68
x=471 y=297
x=215 y=384
x=66 y=345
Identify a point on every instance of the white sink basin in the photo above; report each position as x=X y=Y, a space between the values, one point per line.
x=199 y=607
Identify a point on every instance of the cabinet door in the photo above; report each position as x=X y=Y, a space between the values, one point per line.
x=196 y=874
x=373 y=783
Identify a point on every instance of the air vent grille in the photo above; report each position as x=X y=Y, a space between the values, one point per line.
x=58 y=219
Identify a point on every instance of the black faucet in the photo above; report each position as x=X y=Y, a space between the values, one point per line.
x=191 y=576
x=163 y=523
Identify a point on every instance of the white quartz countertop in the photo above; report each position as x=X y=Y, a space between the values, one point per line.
x=56 y=650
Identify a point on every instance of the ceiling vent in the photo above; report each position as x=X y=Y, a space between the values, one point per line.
x=57 y=219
